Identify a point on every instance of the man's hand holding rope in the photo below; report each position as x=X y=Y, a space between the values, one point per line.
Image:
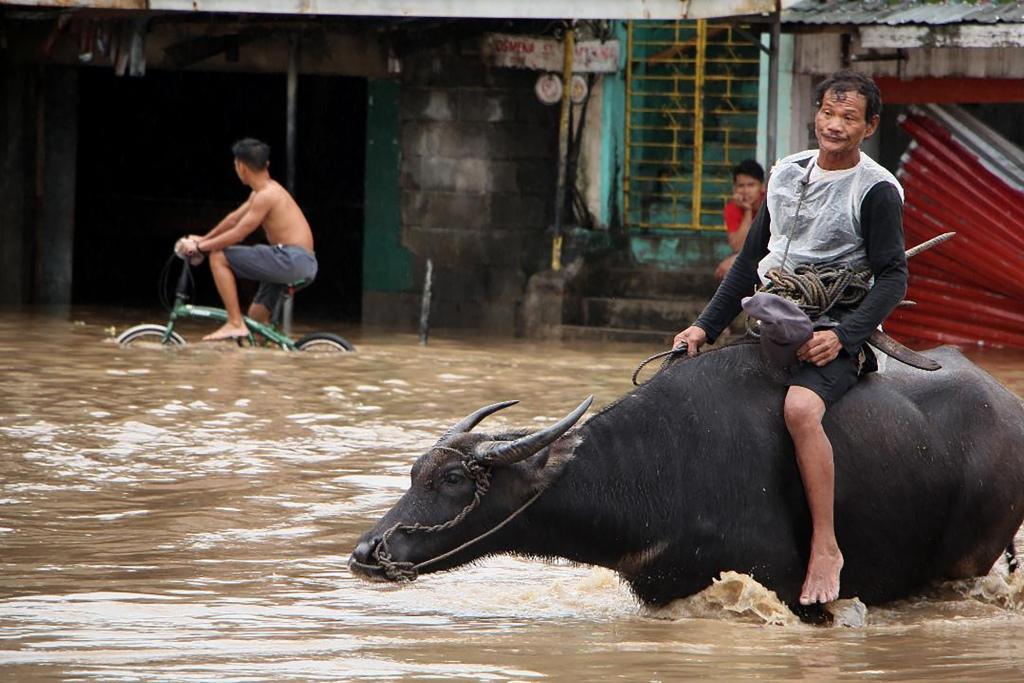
x=694 y=337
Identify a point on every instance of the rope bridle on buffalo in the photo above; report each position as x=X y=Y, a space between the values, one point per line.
x=478 y=466
x=407 y=571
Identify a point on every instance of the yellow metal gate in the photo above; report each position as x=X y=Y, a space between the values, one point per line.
x=691 y=115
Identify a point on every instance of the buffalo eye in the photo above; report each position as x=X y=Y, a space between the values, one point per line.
x=453 y=477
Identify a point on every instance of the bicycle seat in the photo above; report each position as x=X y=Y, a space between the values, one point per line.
x=298 y=284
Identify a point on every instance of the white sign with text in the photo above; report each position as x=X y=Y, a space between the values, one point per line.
x=547 y=54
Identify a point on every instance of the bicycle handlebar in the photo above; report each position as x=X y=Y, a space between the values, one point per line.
x=179 y=251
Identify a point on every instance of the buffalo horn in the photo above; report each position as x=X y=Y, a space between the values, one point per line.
x=928 y=244
x=883 y=342
x=473 y=419
x=508 y=452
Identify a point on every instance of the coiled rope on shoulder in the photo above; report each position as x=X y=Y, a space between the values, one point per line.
x=817 y=289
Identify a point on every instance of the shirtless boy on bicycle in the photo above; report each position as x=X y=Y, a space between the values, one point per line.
x=288 y=258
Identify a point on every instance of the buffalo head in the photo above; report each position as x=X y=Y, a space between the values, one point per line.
x=465 y=486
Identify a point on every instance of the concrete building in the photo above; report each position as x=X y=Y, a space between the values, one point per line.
x=407 y=135
x=401 y=140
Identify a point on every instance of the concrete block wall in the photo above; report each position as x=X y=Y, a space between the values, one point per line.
x=478 y=156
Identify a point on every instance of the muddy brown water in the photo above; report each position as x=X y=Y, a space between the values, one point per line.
x=187 y=515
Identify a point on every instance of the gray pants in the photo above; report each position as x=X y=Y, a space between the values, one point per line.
x=274 y=267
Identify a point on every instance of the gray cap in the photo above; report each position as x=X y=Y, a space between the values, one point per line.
x=784 y=327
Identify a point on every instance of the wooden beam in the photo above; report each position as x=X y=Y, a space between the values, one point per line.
x=470 y=9
x=943 y=35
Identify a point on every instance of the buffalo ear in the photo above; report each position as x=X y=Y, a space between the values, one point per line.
x=549 y=464
x=540 y=461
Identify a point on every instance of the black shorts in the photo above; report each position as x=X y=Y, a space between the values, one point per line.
x=831 y=381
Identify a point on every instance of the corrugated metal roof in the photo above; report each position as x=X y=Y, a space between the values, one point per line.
x=896 y=12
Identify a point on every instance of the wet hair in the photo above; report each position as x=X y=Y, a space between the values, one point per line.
x=748 y=167
x=847 y=80
x=252 y=152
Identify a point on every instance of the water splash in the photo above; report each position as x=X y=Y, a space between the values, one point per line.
x=997 y=588
x=731 y=596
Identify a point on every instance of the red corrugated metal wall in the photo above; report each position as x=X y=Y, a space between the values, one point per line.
x=969 y=290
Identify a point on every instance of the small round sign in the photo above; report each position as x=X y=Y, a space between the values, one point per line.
x=549 y=88
x=578 y=89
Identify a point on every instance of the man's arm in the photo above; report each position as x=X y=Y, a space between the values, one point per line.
x=881 y=219
x=740 y=281
x=259 y=207
x=229 y=221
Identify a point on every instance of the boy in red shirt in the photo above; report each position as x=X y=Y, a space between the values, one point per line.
x=747 y=196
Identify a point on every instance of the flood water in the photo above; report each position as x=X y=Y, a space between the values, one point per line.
x=187 y=514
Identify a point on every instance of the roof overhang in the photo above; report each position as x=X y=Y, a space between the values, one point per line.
x=954 y=35
x=469 y=9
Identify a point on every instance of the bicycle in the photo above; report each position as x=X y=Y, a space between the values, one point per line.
x=270 y=333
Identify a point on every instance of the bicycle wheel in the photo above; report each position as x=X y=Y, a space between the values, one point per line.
x=149 y=334
x=324 y=342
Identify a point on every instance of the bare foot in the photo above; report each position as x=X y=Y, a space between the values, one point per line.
x=227 y=331
x=822 y=582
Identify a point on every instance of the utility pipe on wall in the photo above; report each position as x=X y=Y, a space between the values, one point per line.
x=563 y=145
x=428 y=283
x=773 y=86
x=292 y=88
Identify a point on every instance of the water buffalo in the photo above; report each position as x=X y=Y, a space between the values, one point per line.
x=693 y=473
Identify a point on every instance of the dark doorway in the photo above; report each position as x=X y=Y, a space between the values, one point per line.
x=154 y=163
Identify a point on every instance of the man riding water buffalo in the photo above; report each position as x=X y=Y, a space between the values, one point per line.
x=677 y=481
x=826 y=207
